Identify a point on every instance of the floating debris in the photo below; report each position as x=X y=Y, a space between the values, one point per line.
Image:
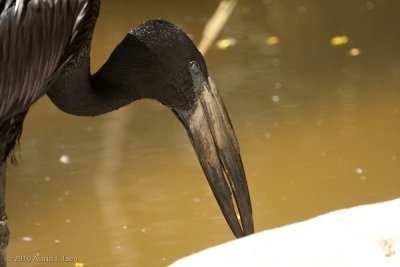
x=339 y=40
x=272 y=40
x=354 y=52
x=64 y=159
x=226 y=43
x=276 y=98
x=125 y=227
x=359 y=170
x=277 y=85
x=26 y=239
x=78 y=264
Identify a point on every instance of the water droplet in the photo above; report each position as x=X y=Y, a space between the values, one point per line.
x=354 y=52
x=276 y=98
x=277 y=85
x=64 y=159
x=267 y=135
x=26 y=239
x=359 y=170
x=57 y=241
x=369 y=5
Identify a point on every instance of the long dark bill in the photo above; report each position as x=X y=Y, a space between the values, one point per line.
x=212 y=136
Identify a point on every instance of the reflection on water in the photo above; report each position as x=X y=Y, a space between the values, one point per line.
x=318 y=126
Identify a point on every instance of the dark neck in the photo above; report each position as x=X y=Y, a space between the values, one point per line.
x=76 y=92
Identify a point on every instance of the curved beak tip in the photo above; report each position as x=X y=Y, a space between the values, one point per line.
x=212 y=136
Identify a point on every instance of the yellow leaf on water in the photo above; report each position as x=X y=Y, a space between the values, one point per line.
x=225 y=43
x=272 y=40
x=339 y=40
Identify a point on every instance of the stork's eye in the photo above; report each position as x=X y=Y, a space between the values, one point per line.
x=194 y=67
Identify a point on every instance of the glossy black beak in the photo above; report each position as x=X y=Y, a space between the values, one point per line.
x=212 y=136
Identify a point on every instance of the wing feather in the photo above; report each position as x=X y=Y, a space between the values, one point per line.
x=39 y=38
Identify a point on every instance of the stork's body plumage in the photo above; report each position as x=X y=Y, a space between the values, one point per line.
x=44 y=49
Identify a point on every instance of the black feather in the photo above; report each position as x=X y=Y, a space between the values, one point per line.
x=38 y=39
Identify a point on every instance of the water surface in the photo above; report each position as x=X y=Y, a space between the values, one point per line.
x=318 y=125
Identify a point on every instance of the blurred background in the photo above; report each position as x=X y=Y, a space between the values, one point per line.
x=312 y=88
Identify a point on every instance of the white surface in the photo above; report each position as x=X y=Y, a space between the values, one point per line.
x=362 y=236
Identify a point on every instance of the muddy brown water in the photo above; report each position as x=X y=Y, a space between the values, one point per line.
x=312 y=88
